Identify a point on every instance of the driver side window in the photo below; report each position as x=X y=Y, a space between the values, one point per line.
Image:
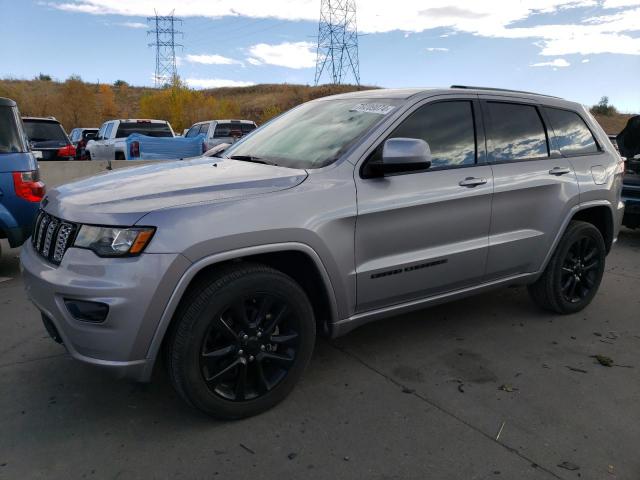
x=449 y=129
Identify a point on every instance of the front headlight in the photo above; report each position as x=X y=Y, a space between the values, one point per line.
x=114 y=241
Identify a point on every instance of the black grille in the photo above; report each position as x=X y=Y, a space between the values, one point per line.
x=52 y=236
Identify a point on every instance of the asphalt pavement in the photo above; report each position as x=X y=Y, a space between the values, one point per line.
x=486 y=387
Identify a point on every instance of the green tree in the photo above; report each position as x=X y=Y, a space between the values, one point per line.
x=603 y=108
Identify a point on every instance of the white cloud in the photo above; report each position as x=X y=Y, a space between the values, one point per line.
x=436 y=49
x=585 y=60
x=212 y=60
x=558 y=62
x=133 y=25
x=491 y=18
x=216 y=83
x=287 y=54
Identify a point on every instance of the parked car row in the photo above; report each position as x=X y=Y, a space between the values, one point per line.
x=49 y=142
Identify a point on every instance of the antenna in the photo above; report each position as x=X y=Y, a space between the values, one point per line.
x=165 y=43
x=337 y=53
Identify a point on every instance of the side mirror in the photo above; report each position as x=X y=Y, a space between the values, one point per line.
x=401 y=155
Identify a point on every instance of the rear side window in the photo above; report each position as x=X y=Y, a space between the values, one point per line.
x=44 y=131
x=11 y=138
x=572 y=134
x=204 y=128
x=515 y=132
x=448 y=128
x=150 y=129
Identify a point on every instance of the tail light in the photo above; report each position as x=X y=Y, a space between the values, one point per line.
x=67 y=151
x=134 y=150
x=28 y=185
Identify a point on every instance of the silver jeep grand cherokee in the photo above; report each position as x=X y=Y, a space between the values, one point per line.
x=341 y=211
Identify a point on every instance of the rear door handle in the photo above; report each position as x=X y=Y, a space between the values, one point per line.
x=471 y=182
x=559 y=171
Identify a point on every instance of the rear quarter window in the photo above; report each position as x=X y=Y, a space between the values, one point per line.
x=11 y=138
x=572 y=135
x=515 y=132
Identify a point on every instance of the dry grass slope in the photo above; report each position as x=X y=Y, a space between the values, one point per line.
x=76 y=103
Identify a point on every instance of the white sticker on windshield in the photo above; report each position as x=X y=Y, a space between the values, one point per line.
x=379 y=108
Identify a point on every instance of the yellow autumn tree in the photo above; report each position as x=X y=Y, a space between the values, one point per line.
x=106 y=103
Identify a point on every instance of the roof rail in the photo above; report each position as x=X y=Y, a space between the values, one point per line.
x=501 y=90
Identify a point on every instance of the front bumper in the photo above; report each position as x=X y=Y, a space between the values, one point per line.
x=135 y=289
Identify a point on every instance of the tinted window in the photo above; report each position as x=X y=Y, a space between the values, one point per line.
x=11 y=139
x=448 y=128
x=44 y=131
x=144 y=128
x=204 y=128
x=226 y=129
x=107 y=132
x=515 y=132
x=193 y=131
x=247 y=127
x=572 y=134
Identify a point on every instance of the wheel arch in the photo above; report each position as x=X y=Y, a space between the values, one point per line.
x=599 y=213
x=297 y=260
x=601 y=217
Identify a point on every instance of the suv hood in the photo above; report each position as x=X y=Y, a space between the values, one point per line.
x=123 y=196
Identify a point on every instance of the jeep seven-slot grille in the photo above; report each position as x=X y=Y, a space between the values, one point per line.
x=52 y=236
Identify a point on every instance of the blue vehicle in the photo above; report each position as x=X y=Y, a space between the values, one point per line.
x=20 y=187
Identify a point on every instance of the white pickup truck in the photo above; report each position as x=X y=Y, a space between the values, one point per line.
x=110 y=143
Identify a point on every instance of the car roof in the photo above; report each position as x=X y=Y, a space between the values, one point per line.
x=406 y=93
x=40 y=119
x=246 y=122
x=7 y=102
x=150 y=120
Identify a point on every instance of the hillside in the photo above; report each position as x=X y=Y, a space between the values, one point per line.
x=76 y=103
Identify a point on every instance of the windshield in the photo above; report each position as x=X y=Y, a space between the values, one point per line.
x=144 y=128
x=11 y=138
x=44 y=131
x=314 y=134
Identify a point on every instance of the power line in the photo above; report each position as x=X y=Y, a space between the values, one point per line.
x=165 y=43
x=337 y=52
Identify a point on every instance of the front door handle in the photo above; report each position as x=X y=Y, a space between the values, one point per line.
x=559 y=171
x=471 y=182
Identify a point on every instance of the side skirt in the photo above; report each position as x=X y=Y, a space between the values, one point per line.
x=341 y=327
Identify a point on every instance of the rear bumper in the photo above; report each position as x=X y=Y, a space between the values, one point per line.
x=135 y=289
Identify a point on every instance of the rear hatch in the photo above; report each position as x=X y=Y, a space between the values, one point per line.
x=46 y=138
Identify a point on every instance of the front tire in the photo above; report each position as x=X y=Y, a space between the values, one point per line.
x=240 y=341
x=574 y=272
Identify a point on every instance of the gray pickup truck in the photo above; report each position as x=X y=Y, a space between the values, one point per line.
x=344 y=210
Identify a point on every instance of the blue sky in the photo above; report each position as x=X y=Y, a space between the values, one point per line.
x=578 y=49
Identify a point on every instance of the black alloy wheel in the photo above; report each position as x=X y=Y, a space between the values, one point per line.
x=580 y=270
x=574 y=272
x=240 y=340
x=250 y=347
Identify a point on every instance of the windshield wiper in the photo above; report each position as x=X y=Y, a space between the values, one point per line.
x=249 y=158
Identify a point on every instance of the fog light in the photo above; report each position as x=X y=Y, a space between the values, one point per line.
x=94 y=312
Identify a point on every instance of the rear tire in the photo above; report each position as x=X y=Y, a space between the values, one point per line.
x=574 y=272
x=240 y=341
